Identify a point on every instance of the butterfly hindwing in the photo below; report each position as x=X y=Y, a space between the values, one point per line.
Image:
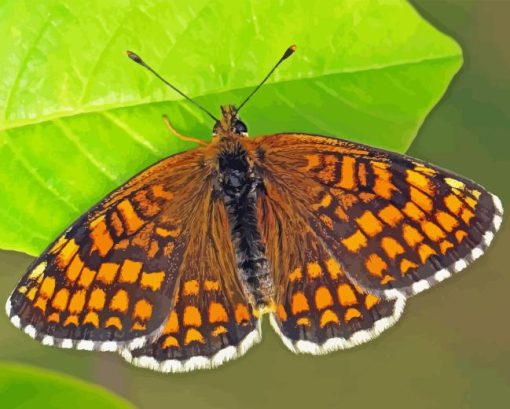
x=317 y=308
x=210 y=321
x=397 y=225
x=107 y=281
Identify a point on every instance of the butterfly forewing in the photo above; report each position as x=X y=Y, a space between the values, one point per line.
x=107 y=281
x=397 y=225
x=210 y=321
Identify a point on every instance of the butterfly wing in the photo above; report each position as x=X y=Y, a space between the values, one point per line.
x=210 y=321
x=397 y=225
x=109 y=279
x=318 y=309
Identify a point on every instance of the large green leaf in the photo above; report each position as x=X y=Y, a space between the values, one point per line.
x=26 y=387
x=79 y=118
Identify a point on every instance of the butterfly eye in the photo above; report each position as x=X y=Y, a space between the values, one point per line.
x=239 y=127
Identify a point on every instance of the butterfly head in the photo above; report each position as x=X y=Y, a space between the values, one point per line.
x=230 y=124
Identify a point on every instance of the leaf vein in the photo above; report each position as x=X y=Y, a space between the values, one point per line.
x=101 y=108
x=19 y=156
x=134 y=135
x=71 y=136
x=23 y=65
x=86 y=88
x=310 y=118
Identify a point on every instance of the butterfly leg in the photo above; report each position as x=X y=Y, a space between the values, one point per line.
x=179 y=135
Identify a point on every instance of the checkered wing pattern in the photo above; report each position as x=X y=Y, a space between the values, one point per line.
x=318 y=309
x=107 y=282
x=210 y=321
x=397 y=225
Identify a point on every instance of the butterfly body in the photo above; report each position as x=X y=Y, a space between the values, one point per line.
x=238 y=184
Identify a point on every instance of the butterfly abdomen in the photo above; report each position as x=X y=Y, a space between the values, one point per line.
x=238 y=184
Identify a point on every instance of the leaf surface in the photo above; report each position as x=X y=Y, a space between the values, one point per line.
x=25 y=387
x=78 y=118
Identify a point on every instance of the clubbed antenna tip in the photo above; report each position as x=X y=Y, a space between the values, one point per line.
x=291 y=50
x=135 y=57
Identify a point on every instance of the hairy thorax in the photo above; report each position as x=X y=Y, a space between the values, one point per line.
x=238 y=185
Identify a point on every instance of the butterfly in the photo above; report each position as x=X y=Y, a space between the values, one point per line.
x=175 y=269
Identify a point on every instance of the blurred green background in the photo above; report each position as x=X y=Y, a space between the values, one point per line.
x=451 y=349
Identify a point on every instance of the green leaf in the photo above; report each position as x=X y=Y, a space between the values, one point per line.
x=79 y=118
x=27 y=387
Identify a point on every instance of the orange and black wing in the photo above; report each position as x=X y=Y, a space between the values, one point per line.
x=108 y=281
x=210 y=321
x=317 y=308
x=396 y=225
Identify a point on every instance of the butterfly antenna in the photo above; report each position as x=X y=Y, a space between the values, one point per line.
x=136 y=58
x=288 y=52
